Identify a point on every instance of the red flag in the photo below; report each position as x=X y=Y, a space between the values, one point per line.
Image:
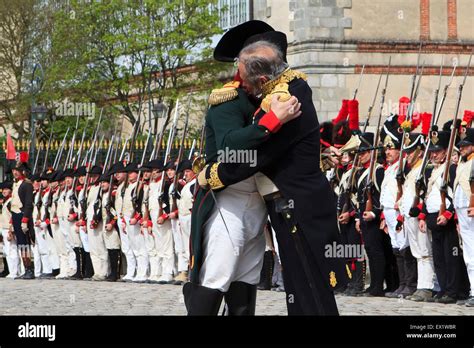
x=11 y=152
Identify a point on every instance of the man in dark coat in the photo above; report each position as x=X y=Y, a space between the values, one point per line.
x=22 y=219
x=302 y=211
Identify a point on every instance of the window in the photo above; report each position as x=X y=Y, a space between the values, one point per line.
x=236 y=12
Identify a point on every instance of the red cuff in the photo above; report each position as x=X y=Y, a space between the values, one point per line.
x=24 y=220
x=400 y=218
x=352 y=213
x=270 y=122
x=74 y=215
x=11 y=221
x=382 y=216
x=455 y=216
x=421 y=216
x=149 y=223
x=47 y=222
x=164 y=216
x=448 y=215
x=137 y=216
x=420 y=206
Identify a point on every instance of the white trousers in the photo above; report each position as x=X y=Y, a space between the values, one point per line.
x=61 y=249
x=399 y=240
x=127 y=251
x=112 y=239
x=10 y=250
x=183 y=249
x=138 y=247
x=235 y=254
x=176 y=242
x=41 y=252
x=466 y=227
x=68 y=230
x=84 y=238
x=74 y=237
x=420 y=246
x=98 y=251
x=160 y=247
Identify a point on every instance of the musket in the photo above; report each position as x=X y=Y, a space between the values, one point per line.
x=400 y=176
x=108 y=202
x=59 y=153
x=419 y=183
x=452 y=139
x=161 y=197
x=136 y=201
x=72 y=196
x=36 y=161
x=373 y=154
x=132 y=138
x=350 y=189
x=97 y=216
x=158 y=140
x=470 y=210
x=358 y=85
x=176 y=189
x=190 y=155
x=89 y=165
x=47 y=148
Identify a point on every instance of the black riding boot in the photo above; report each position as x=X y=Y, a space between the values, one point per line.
x=5 y=271
x=241 y=299
x=87 y=270
x=200 y=300
x=79 y=262
x=267 y=271
x=114 y=255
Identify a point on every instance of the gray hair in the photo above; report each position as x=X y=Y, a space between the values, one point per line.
x=258 y=65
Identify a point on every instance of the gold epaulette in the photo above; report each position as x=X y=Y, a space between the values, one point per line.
x=279 y=86
x=224 y=94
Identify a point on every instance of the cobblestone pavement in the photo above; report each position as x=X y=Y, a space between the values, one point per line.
x=68 y=297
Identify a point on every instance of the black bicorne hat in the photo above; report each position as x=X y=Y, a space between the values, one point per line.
x=366 y=141
x=467 y=138
x=232 y=42
x=185 y=164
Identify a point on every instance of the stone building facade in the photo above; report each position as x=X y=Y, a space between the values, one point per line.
x=331 y=40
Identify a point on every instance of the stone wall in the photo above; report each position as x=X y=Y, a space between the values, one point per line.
x=331 y=40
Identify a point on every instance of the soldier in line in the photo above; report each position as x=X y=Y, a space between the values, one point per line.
x=22 y=216
x=376 y=242
x=59 y=236
x=420 y=241
x=185 y=202
x=400 y=261
x=110 y=230
x=64 y=207
x=94 y=225
x=120 y=175
x=447 y=255
x=11 y=259
x=464 y=209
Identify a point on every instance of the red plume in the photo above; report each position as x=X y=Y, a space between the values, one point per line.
x=468 y=117
x=24 y=157
x=354 y=115
x=425 y=123
x=343 y=112
x=402 y=108
x=415 y=120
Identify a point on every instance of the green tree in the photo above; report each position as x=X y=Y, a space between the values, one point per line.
x=106 y=51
